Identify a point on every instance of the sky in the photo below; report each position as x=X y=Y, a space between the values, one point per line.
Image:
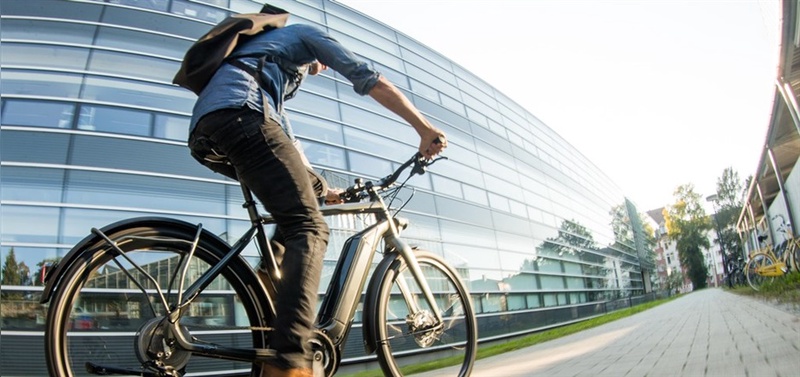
x=655 y=93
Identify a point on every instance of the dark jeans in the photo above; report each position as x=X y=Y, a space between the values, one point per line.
x=265 y=159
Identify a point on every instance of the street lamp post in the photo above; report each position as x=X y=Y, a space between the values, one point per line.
x=713 y=200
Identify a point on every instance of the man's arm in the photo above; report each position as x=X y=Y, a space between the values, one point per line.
x=432 y=140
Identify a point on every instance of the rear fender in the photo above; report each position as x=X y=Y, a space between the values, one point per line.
x=76 y=254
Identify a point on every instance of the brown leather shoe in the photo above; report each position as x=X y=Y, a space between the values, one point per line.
x=268 y=370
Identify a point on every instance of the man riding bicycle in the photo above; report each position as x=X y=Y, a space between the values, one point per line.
x=242 y=118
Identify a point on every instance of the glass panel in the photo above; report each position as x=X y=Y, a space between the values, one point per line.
x=134 y=155
x=29 y=224
x=149 y=4
x=198 y=11
x=378 y=145
x=552 y=282
x=316 y=128
x=464 y=234
x=320 y=84
x=534 y=301
x=324 y=155
x=446 y=186
x=457 y=209
x=108 y=189
x=49 y=31
x=313 y=104
x=44 y=56
x=38 y=114
x=379 y=125
x=425 y=91
x=40 y=84
x=375 y=40
x=397 y=78
x=50 y=148
x=139 y=41
x=368 y=165
x=79 y=222
x=171 y=127
x=368 y=51
x=31 y=184
x=462 y=256
x=550 y=299
x=521 y=282
x=475 y=194
x=139 y=94
x=516 y=302
x=114 y=120
x=133 y=65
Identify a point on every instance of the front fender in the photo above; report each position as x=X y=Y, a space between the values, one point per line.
x=371 y=301
x=54 y=275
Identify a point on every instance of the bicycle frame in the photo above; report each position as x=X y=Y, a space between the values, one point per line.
x=344 y=292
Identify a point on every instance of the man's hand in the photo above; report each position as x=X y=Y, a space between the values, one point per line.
x=432 y=143
x=332 y=196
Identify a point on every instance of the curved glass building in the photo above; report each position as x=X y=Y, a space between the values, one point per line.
x=93 y=132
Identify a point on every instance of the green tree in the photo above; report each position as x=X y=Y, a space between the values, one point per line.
x=11 y=273
x=728 y=207
x=674 y=281
x=687 y=225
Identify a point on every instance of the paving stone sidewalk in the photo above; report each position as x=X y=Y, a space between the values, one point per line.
x=706 y=333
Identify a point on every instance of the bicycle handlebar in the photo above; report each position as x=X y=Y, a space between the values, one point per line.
x=360 y=190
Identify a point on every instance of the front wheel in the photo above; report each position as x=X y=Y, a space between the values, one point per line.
x=756 y=263
x=108 y=315
x=403 y=331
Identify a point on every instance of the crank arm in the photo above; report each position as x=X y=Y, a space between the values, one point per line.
x=102 y=370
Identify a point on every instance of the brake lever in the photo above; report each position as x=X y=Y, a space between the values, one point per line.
x=421 y=164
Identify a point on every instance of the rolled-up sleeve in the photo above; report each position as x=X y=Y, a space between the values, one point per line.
x=337 y=57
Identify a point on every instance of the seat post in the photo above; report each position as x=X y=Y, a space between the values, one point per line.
x=250 y=204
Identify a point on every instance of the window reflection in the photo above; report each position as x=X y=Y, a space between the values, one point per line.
x=38 y=114
x=368 y=165
x=31 y=184
x=324 y=155
x=138 y=93
x=171 y=127
x=378 y=145
x=316 y=128
x=446 y=186
x=133 y=65
x=40 y=84
x=194 y=10
x=50 y=31
x=163 y=194
x=114 y=120
x=44 y=55
x=29 y=224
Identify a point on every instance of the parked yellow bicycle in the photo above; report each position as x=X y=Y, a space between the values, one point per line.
x=766 y=264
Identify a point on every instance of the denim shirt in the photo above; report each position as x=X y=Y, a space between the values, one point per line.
x=296 y=45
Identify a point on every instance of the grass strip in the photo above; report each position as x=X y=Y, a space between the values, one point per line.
x=525 y=341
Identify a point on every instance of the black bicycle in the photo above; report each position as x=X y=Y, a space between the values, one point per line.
x=735 y=267
x=162 y=297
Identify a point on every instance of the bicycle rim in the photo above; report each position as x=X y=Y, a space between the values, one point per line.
x=758 y=261
x=403 y=334
x=795 y=248
x=107 y=313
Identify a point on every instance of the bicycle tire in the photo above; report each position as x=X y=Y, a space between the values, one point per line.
x=458 y=339
x=795 y=246
x=758 y=260
x=72 y=339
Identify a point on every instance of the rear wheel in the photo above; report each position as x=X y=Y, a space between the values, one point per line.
x=755 y=264
x=108 y=314
x=402 y=332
